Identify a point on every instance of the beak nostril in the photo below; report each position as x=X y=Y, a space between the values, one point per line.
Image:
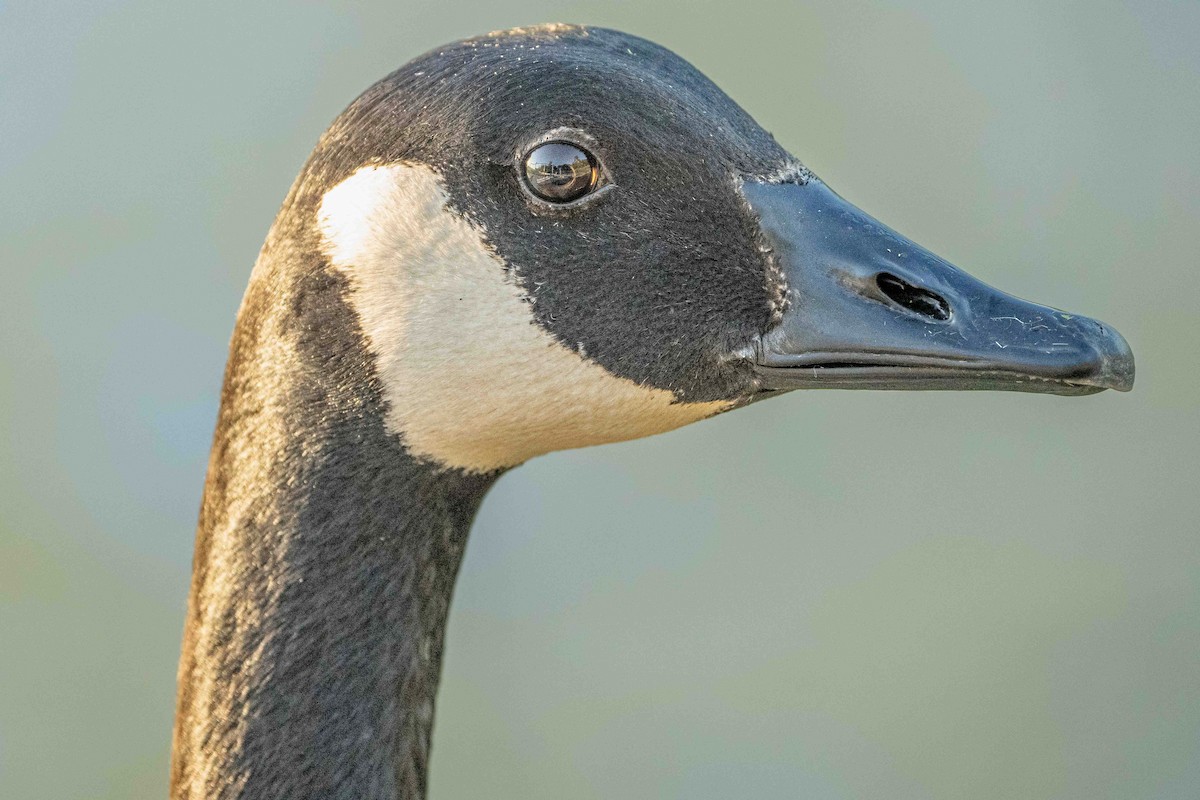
x=914 y=298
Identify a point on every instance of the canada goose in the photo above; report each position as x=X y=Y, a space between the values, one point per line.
x=534 y=240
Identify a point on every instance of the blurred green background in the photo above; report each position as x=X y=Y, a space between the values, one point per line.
x=831 y=595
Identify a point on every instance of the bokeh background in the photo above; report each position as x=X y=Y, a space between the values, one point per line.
x=831 y=595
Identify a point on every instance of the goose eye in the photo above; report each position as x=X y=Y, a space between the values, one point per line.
x=560 y=172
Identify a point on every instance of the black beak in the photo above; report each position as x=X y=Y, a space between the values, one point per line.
x=869 y=309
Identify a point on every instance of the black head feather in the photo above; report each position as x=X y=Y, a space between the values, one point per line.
x=660 y=279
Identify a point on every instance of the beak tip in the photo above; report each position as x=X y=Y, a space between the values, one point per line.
x=1114 y=366
x=1118 y=369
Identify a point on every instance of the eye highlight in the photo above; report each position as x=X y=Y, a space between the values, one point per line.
x=560 y=172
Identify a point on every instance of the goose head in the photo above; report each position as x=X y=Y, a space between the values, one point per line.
x=536 y=240
x=561 y=236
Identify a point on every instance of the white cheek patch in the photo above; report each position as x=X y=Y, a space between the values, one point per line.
x=470 y=380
